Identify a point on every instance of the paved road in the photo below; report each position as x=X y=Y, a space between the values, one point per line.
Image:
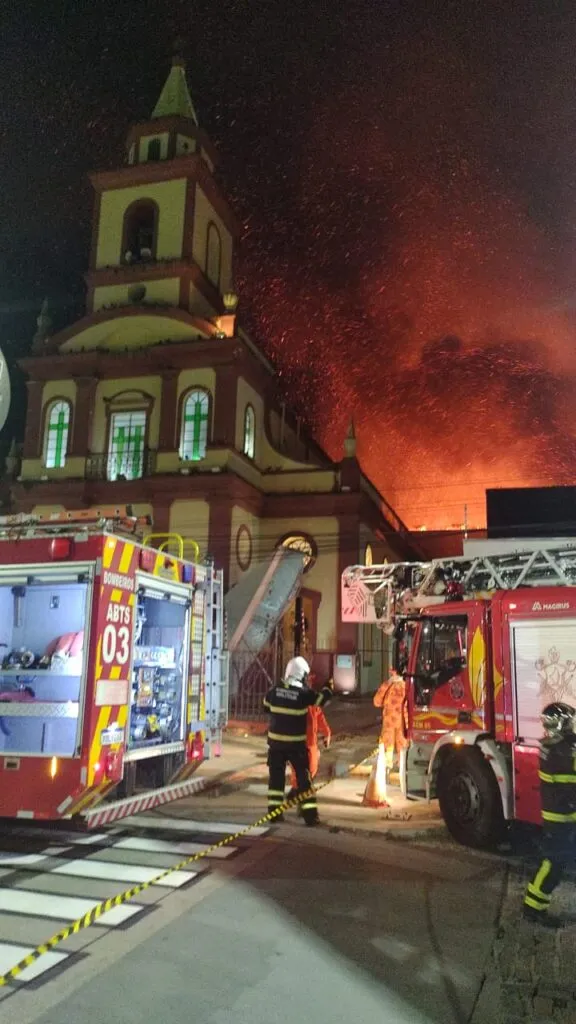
x=306 y=925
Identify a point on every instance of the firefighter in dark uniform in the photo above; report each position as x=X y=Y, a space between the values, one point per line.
x=558 y=789
x=288 y=705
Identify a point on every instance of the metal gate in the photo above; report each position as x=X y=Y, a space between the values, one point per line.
x=252 y=676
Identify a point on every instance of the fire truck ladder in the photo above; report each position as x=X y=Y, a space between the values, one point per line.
x=379 y=593
x=110 y=518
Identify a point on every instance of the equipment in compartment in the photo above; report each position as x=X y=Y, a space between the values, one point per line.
x=158 y=673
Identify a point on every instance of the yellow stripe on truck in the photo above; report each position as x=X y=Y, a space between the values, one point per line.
x=126 y=559
x=109 y=549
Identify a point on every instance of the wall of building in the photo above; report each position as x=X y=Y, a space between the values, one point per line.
x=164 y=290
x=190 y=519
x=243 y=521
x=170 y=197
x=204 y=213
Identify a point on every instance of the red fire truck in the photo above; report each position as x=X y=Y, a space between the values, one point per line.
x=485 y=642
x=113 y=674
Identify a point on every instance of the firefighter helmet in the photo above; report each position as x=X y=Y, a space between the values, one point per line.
x=297 y=670
x=558 y=718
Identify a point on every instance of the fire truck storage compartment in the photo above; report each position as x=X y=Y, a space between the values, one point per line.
x=42 y=623
x=161 y=654
x=544 y=670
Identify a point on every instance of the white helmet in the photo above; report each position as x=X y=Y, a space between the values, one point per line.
x=297 y=670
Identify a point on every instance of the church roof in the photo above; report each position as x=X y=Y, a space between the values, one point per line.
x=175 y=98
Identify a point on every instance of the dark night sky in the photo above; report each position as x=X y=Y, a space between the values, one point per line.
x=408 y=187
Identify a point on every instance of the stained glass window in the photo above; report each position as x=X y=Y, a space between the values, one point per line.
x=57 y=429
x=194 y=430
x=126 y=445
x=249 y=432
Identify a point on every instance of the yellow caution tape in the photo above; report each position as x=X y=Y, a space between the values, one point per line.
x=129 y=894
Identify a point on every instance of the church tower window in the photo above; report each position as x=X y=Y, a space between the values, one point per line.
x=249 y=432
x=56 y=436
x=154 y=149
x=194 y=429
x=213 y=255
x=126 y=445
x=140 y=229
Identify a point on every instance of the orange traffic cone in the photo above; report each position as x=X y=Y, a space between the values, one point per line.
x=375 y=792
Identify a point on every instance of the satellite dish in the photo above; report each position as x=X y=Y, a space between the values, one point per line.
x=4 y=390
x=258 y=601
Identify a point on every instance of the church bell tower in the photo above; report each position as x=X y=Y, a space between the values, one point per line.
x=163 y=232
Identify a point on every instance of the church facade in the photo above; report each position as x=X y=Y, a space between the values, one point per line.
x=157 y=398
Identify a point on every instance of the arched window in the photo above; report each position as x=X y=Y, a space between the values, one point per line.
x=154 y=149
x=213 y=255
x=139 y=235
x=56 y=434
x=126 y=444
x=194 y=427
x=249 y=432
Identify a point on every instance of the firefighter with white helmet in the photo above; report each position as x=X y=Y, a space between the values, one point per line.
x=558 y=791
x=288 y=704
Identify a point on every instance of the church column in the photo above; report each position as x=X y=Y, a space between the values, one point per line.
x=167 y=440
x=224 y=432
x=33 y=432
x=220 y=534
x=348 y=544
x=83 y=413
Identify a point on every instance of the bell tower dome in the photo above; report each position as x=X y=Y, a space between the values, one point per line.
x=163 y=234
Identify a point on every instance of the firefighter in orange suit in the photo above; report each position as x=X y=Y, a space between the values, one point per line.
x=316 y=724
x=391 y=697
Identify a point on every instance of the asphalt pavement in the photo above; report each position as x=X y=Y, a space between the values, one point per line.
x=307 y=925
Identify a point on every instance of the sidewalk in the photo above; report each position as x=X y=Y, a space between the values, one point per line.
x=237 y=784
x=532 y=973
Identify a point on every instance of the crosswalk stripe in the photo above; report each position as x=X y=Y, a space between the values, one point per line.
x=113 y=872
x=223 y=828
x=31 y=903
x=11 y=954
x=162 y=846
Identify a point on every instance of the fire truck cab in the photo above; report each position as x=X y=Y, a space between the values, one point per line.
x=484 y=643
x=113 y=673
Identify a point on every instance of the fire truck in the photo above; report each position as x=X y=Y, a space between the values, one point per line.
x=113 y=673
x=484 y=642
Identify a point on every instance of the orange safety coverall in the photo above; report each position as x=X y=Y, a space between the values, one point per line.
x=315 y=723
x=391 y=697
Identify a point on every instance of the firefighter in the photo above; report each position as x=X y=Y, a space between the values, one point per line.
x=558 y=791
x=288 y=705
x=392 y=697
x=316 y=725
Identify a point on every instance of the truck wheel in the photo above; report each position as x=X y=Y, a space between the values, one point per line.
x=470 y=799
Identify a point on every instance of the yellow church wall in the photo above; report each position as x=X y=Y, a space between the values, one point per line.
x=165 y=290
x=170 y=197
x=131 y=332
x=240 y=517
x=110 y=389
x=34 y=469
x=199 y=305
x=185 y=145
x=58 y=389
x=291 y=481
x=265 y=456
x=203 y=214
x=323 y=576
x=190 y=519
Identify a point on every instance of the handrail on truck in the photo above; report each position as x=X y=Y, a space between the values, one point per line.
x=170 y=538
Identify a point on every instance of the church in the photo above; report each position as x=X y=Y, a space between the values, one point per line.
x=158 y=398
